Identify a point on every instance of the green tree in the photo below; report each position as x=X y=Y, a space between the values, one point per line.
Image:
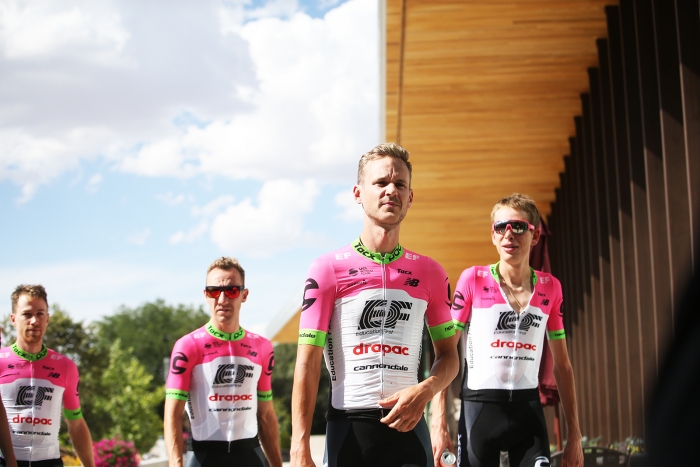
x=151 y=330
x=132 y=400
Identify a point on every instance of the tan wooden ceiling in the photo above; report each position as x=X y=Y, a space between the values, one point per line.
x=483 y=94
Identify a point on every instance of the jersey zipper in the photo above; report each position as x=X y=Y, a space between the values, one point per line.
x=32 y=383
x=231 y=414
x=386 y=312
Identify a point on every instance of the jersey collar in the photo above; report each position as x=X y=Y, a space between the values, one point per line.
x=380 y=258
x=225 y=336
x=497 y=278
x=32 y=357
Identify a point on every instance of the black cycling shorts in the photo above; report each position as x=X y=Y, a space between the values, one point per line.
x=367 y=442
x=487 y=428
x=241 y=453
x=45 y=463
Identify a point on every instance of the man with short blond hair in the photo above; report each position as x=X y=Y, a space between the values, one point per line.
x=223 y=375
x=364 y=308
x=37 y=384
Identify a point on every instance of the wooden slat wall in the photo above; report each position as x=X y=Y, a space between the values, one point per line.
x=626 y=199
x=489 y=96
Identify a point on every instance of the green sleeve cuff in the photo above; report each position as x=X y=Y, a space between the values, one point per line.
x=73 y=414
x=265 y=395
x=312 y=337
x=556 y=335
x=176 y=394
x=459 y=326
x=442 y=331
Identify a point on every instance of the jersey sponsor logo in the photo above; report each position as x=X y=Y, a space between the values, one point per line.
x=412 y=257
x=508 y=321
x=32 y=420
x=307 y=302
x=353 y=272
x=231 y=373
x=412 y=282
x=545 y=302
x=363 y=270
x=252 y=353
x=381 y=366
x=54 y=375
x=498 y=343
x=47 y=368
x=230 y=397
x=270 y=364
x=379 y=348
x=481 y=273
x=307 y=334
x=26 y=395
x=490 y=289
x=541 y=461
x=18 y=366
x=341 y=256
x=374 y=313
x=544 y=280
x=403 y=271
x=174 y=368
x=331 y=358
x=458 y=301
x=360 y=282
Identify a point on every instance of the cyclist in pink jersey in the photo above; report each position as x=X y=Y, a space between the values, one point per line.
x=364 y=307
x=222 y=374
x=38 y=385
x=507 y=309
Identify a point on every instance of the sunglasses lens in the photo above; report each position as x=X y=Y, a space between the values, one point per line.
x=518 y=227
x=500 y=227
x=232 y=293
x=212 y=293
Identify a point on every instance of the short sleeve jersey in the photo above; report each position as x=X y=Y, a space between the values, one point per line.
x=222 y=376
x=503 y=348
x=36 y=389
x=367 y=310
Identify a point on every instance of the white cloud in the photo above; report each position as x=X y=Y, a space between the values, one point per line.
x=270 y=92
x=93 y=183
x=317 y=95
x=350 y=210
x=140 y=237
x=191 y=235
x=170 y=199
x=274 y=224
x=212 y=207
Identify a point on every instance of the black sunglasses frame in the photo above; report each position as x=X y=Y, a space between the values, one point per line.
x=210 y=290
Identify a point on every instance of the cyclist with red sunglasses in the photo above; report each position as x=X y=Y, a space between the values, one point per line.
x=507 y=308
x=222 y=374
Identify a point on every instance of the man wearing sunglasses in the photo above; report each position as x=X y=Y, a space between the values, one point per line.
x=507 y=308
x=364 y=308
x=222 y=374
x=38 y=386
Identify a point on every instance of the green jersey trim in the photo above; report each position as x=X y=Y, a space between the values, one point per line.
x=497 y=278
x=76 y=414
x=312 y=337
x=225 y=336
x=265 y=395
x=379 y=258
x=32 y=357
x=556 y=335
x=176 y=394
x=459 y=326
x=442 y=331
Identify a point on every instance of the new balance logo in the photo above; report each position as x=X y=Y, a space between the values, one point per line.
x=232 y=373
x=54 y=375
x=508 y=320
x=412 y=282
x=375 y=311
x=25 y=395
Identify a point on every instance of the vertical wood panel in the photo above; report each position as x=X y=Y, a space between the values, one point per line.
x=688 y=19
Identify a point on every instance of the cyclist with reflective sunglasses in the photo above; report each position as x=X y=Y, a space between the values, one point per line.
x=507 y=308
x=222 y=374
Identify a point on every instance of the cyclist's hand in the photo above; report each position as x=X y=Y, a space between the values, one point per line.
x=441 y=441
x=573 y=454
x=408 y=406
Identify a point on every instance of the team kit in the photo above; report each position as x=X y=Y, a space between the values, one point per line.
x=363 y=314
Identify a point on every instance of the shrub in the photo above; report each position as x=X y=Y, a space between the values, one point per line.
x=115 y=453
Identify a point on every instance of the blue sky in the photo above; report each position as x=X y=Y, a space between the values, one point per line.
x=141 y=140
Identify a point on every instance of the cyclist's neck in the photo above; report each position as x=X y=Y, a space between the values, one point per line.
x=29 y=347
x=516 y=275
x=380 y=240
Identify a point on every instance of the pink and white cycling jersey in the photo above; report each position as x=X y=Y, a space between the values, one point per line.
x=503 y=349
x=367 y=310
x=222 y=376
x=34 y=388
